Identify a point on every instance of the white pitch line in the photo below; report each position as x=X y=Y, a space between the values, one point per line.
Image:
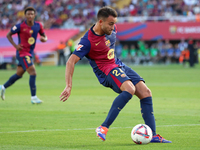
x=94 y=128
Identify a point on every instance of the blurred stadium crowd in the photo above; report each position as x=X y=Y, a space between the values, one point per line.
x=82 y=14
x=161 y=52
x=161 y=8
x=53 y=13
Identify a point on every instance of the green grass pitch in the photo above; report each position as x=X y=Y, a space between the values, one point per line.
x=71 y=125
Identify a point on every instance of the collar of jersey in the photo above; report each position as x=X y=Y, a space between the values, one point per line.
x=94 y=32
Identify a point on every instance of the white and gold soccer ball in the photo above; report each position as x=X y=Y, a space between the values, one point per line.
x=141 y=134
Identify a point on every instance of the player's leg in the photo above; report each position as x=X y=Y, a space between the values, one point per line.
x=120 y=83
x=19 y=73
x=146 y=104
x=120 y=101
x=32 y=83
x=145 y=96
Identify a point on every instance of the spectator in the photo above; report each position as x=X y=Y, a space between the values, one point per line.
x=184 y=57
x=139 y=57
x=141 y=46
x=132 y=53
x=159 y=44
x=170 y=52
x=191 y=49
x=118 y=48
x=61 y=54
x=125 y=53
x=5 y=22
x=177 y=54
x=71 y=45
x=198 y=50
x=146 y=54
x=162 y=55
x=190 y=2
x=154 y=53
x=182 y=45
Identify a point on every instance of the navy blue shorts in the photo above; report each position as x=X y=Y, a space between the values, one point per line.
x=118 y=75
x=25 y=62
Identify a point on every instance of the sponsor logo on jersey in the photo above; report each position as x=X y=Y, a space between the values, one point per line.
x=31 y=40
x=111 y=54
x=98 y=43
x=14 y=28
x=79 y=47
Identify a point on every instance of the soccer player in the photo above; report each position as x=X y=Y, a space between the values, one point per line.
x=27 y=34
x=98 y=45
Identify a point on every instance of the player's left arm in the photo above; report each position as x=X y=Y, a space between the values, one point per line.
x=43 y=37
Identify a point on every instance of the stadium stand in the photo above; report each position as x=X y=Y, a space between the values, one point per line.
x=77 y=15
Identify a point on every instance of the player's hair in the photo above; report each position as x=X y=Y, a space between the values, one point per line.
x=29 y=8
x=105 y=12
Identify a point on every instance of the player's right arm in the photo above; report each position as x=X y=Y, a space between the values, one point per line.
x=82 y=49
x=68 y=76
x=14 y=29
x=9 y=37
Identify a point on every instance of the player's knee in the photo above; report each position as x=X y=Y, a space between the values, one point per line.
x=32 y=73
x=129 y=87
x=148 y=92
x=132 y=90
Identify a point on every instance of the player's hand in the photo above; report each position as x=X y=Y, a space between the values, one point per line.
x=19 y=47
x=43 y=39
x=65 y=94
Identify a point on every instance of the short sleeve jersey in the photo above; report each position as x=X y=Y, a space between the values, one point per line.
x=27 y=37
x=99 y=50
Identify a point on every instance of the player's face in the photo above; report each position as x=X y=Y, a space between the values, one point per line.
x=108 y=24
x=30 y=15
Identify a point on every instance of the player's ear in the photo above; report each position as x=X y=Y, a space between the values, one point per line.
x=35 y=13
x=100 y=21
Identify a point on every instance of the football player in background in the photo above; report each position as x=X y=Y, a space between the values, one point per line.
x=98 y=45
x=27 y=34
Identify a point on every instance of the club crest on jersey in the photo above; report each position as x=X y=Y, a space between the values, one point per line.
x=123 y=75
x=79 y=47
x=107 y=43
x=31 y=31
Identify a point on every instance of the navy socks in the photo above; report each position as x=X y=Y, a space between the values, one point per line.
x=32 y=85
x=15 y=77
x=118 y=104
x=147 y=113
x=11 y=80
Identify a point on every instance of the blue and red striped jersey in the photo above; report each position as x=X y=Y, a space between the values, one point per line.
x=27 y=37
x=100 y=51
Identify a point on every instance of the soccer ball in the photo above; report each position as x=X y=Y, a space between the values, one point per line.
x=141 y=134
